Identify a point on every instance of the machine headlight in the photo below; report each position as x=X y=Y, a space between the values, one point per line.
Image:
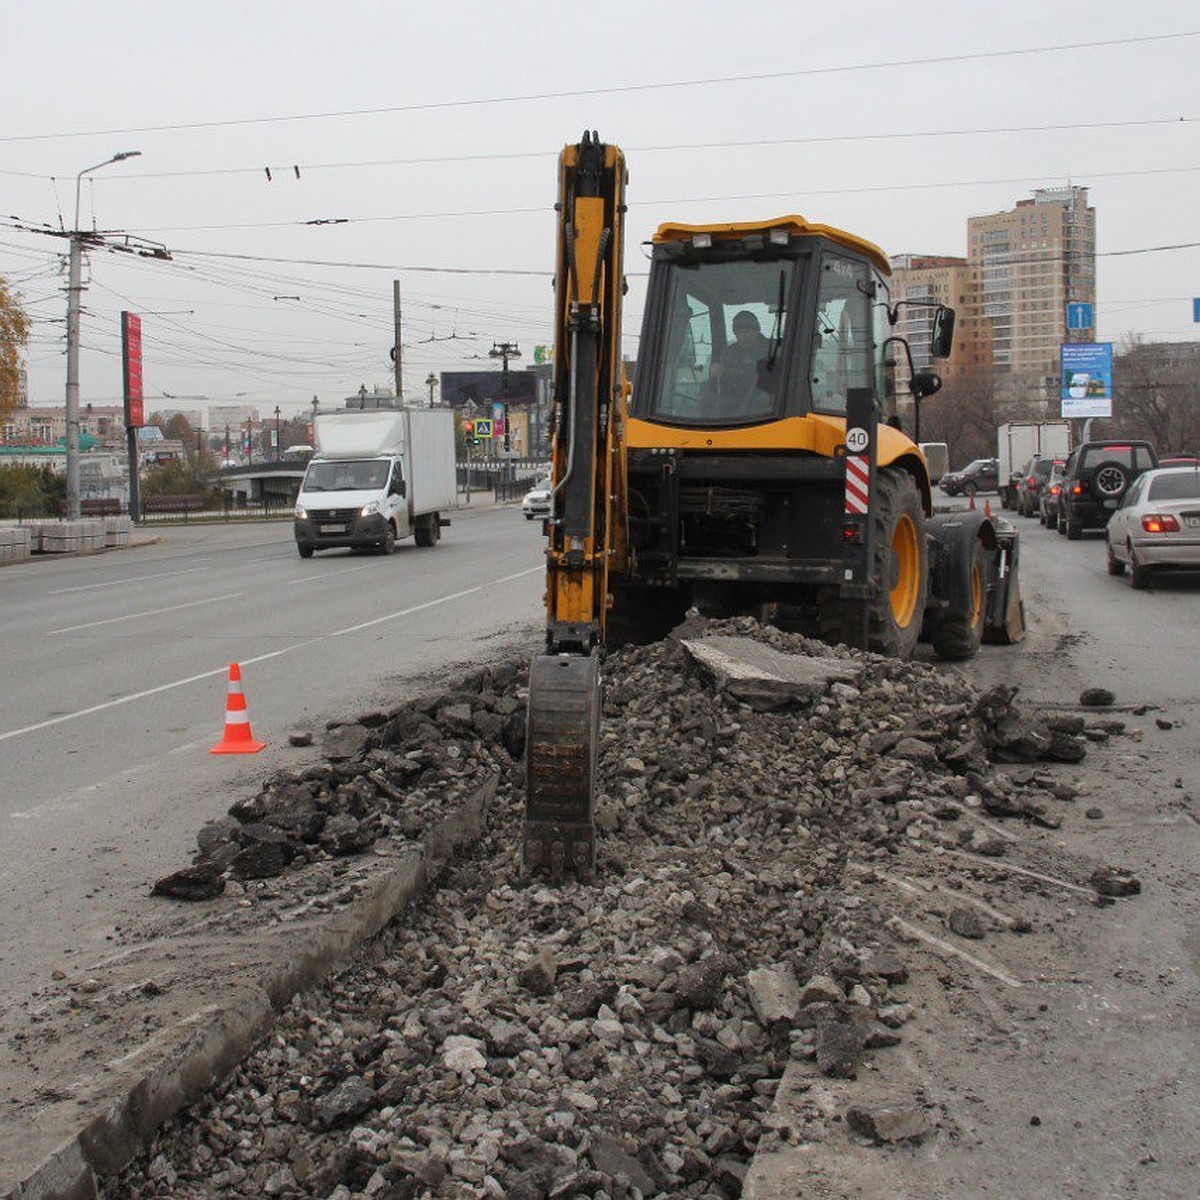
x=300 y=512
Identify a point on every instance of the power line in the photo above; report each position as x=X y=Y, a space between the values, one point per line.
x=624 y=89
x=664 y=148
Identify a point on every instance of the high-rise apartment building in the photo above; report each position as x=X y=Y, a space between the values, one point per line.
x=920 y=282
x=1027 y=265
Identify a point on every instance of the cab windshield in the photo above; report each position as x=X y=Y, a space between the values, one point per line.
x=355 y=475
x=726 y=325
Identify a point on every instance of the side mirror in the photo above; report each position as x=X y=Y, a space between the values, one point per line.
x=925 y=383
x=400 y=488
x=941 y=341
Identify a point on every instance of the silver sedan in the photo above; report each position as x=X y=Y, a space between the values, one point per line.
x=1157 y=525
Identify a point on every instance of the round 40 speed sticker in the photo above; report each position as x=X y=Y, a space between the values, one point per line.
x=857 y=440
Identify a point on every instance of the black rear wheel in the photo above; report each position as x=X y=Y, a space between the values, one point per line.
x=897 y=610
x=959 y=635
x=1139 y=574
x=428 y=530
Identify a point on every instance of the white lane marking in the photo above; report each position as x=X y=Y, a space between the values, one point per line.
x=150 y=612
x=332 y=575
x=178 y=683
x=456 y=596
x=87 y=587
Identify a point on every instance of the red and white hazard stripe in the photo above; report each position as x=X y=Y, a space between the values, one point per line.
x=858 y=476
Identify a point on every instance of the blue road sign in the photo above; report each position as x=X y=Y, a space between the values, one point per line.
x=1196 y=310
x=1079 y=316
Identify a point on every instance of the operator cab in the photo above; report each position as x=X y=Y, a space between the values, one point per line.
x=747 y=324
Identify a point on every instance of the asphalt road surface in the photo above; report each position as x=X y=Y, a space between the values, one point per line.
x=117 y=669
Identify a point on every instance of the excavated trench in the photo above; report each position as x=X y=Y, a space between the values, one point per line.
x=619 y=1037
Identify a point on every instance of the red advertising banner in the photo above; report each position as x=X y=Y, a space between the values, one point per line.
x=131 y=360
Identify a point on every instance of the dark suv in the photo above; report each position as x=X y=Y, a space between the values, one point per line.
x=983 y=475
x=1096 y=477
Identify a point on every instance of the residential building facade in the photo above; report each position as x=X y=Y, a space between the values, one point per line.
x=1027 y=265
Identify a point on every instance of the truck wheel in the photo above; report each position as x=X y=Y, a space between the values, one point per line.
x=959 y=635
x=428 y=530
x=305 y=550
x=896 y=612
x=388 y=545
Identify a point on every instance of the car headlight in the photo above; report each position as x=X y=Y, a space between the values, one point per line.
x=370 y=509
x=300 y=512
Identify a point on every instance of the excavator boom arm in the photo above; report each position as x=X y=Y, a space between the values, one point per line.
x=586 y=529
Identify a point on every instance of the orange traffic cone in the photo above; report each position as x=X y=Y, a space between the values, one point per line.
x=971 y=506
x=238 y=739
x=987 y=508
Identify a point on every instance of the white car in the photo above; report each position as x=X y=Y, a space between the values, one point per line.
x=537 y=500
x=1157 y=525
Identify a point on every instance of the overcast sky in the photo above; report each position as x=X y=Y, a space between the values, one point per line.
x=432 y=131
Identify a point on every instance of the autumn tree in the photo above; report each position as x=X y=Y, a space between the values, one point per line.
x=14 y=334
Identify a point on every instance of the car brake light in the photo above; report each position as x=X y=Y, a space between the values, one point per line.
x=1032 y=481
x=1077 y=489
x=1055 y=489
x=1160 y=523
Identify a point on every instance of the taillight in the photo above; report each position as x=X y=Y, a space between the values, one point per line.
x=1077 y=489
x=1032 y=481
x=1055 y=489
x=1160 y=523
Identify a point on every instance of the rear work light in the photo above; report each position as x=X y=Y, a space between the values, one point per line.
x=1160 y=523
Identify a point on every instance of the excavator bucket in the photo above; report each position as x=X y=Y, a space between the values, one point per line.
x=1004 y=623
x=562 y=740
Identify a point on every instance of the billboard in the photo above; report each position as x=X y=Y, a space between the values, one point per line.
x=487 y=388
x=131 y=363
x=1087 y=379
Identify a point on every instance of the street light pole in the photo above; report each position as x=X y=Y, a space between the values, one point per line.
x=74 y=290
x=278 y=447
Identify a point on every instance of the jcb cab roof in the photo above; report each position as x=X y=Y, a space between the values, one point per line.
x=795 y=225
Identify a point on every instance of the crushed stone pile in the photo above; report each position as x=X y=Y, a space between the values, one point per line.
x=622 y=1036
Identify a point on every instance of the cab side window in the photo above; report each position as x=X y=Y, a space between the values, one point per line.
x=843 y=342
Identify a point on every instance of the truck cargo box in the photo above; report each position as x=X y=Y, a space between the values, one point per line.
x=366 y=434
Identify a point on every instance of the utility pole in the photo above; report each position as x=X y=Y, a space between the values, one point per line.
x=505 y=351
x=278 y=446
x=74 y=290
x=396 y=356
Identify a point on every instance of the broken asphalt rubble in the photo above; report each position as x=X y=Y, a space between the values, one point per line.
x=626 y=1035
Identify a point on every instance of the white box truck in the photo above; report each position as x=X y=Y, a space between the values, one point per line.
x=378 y=475
x=1019 y=441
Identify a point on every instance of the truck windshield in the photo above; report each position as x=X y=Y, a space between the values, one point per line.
x=350 y=475
x=725 y=325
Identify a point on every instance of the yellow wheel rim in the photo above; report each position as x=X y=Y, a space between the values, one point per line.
x=976 y=593
x=906 y=559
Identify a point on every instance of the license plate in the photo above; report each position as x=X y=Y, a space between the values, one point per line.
x=333 y=528
x=1110 y=504
x=1192 y=522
